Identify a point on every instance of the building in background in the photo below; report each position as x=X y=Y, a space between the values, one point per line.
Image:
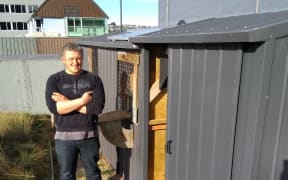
x=14 y=15
x=173 y=12
x=68 y=18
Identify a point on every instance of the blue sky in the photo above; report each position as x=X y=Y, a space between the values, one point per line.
x=139 y=12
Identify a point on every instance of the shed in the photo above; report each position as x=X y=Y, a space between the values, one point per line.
x=227 y=96
x=117 y=62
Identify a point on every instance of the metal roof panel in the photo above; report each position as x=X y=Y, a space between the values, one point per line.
x=115 y=40
x=244 y=28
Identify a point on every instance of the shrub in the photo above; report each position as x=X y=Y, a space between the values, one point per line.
x=24 y=147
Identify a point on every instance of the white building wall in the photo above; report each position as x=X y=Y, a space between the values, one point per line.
x=17 y=17
x=54 y=27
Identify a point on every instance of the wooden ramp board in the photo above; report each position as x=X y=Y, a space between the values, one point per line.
x=154 y=90
x=112 y=130
x=116 y=115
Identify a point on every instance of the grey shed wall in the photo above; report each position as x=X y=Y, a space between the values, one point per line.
x=261 y=149
x=107 y=70
x=135 y=164
x=203 y=83
x=227 y=111
x=227 y=98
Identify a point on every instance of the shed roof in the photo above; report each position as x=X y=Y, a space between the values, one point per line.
x=244 y=28
x=115 y=40
x=103 y=41
x=55 y=9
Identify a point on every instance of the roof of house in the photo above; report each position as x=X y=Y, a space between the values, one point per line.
x=244 y=28
x=69 y=8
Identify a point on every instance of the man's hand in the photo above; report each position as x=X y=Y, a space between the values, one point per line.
x=65 y=105
x=87 y=97
x=57 y=97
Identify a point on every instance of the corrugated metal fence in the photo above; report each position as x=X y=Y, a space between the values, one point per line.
x=25 y=64
x=30 y=45
x=23 y=83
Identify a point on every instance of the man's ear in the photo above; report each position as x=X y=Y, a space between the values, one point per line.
x=62 y=59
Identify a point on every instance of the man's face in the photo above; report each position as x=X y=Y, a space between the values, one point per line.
x=73 y=62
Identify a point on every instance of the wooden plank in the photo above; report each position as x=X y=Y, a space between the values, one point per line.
x=128 y=57
x=156 y=155
x=90 y=60
x=116 y=134
x=158 y=127
x=154 y=90
x=135 y=94
x=157 y=121
x=114 y=116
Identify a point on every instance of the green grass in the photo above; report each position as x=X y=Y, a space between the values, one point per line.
x=27 y=149
x=24 y=146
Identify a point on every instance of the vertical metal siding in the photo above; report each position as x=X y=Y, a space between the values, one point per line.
x=261 y=148
x=29 y=46
x=257 y=61
x=51 y=45
x=274 y=148
x=139 y=158
x=23 y=84
x=202 y=104
x=107 y=70
x=17 y=45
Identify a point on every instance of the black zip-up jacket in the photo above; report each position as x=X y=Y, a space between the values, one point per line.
x=72 y=87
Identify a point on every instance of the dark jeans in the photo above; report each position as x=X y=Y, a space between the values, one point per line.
x=67 y=155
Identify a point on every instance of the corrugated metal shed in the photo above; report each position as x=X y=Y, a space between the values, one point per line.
x=118 y=40
x=246 y=28
x=135 y=159
x=227 y=97
x=17 y=45
x=102 y=41
x=52 y=45
x=130 y=33
x=55 y=9
x=29 y=45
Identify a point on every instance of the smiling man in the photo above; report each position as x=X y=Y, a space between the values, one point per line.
x=75 y=97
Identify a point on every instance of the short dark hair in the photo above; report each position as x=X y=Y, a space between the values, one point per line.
x=71 y=47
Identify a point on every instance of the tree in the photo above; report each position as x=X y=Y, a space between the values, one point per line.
x=113 y=24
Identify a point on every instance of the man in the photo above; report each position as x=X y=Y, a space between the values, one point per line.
x=75 y=97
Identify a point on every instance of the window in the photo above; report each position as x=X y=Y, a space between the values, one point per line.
x=71 y=11
x=39 y=23
x=17 y=8
x=32 y=8
x=19 y=26
x=85 y=26
x=9 y=25
x=4 y=8
x=5 y=26
x=7 y=8
x=77 y=22
x=70 y=22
